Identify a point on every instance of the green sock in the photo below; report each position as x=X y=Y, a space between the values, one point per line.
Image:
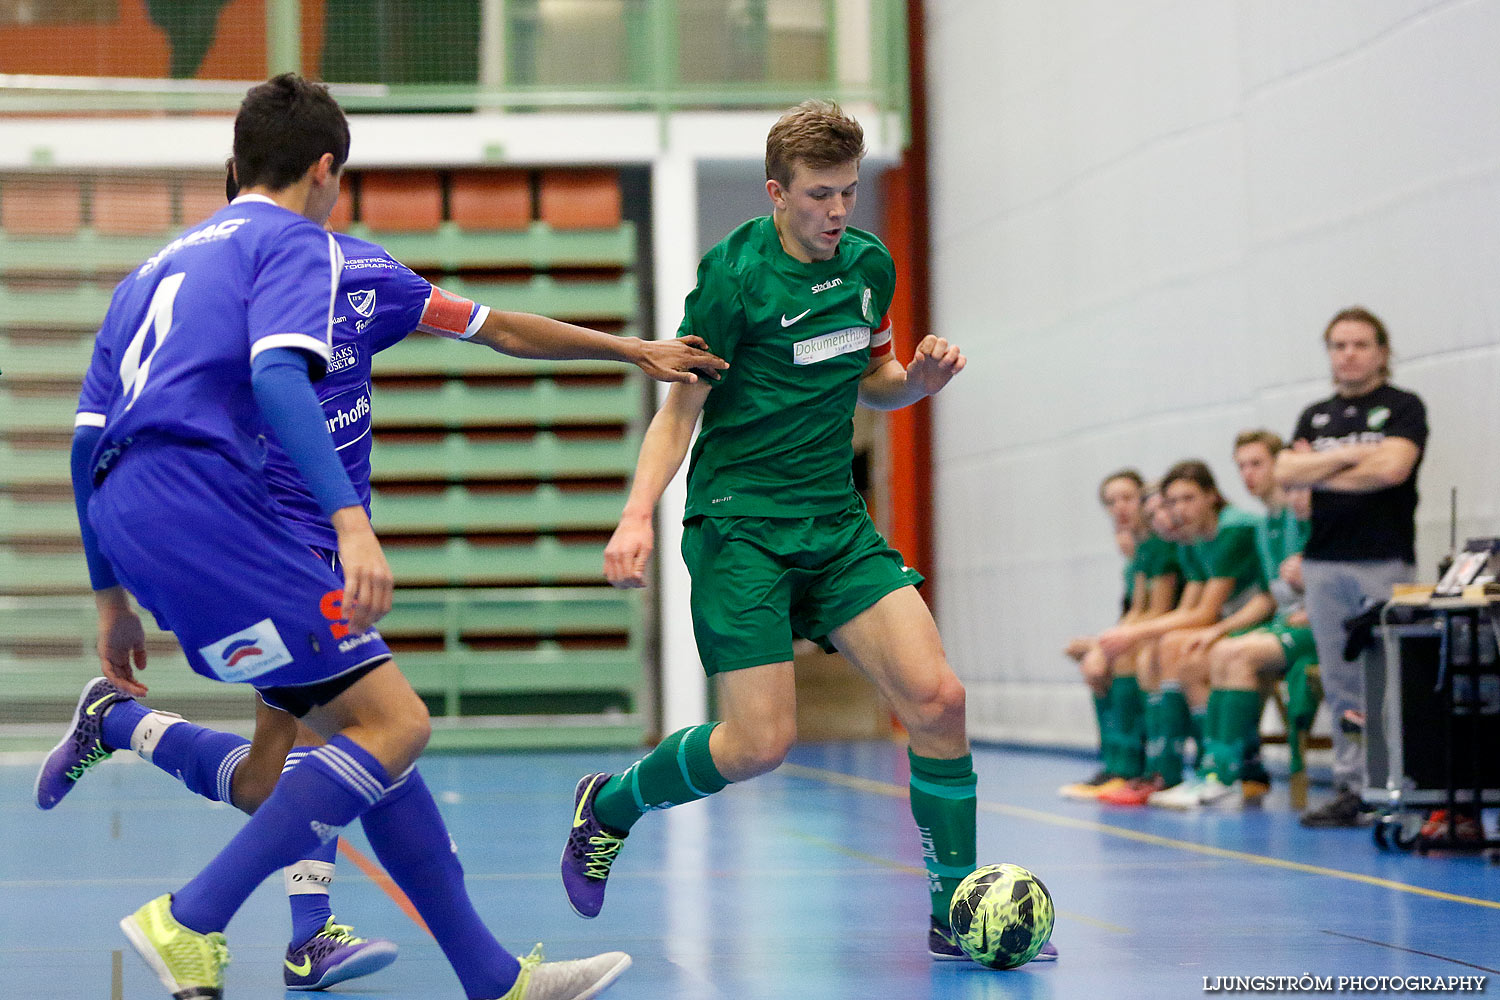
x=1198 y=727
x=944 y=804
x=679 y=770
x=1167 y=725
x=1237 y=728
x=1129 y=704
x=1108 y=742
x=1213 y=747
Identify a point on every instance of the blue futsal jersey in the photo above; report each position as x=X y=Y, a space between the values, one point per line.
x=172 y=359
x=379 y=302
x=185 y=517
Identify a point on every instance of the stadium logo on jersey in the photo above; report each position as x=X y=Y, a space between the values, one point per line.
x=247 y=653
x=824 y=286
x=363 y=301
x=343 y=357
x=831 y=345
x=1377 y=417
x=864 y=306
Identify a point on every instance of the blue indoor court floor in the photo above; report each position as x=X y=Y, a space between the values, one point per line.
x=803 y=885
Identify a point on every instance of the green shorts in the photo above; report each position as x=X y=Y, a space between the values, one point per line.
x=759 y=582
x=1296 y=643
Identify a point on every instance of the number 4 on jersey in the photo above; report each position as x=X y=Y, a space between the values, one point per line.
x=133 y=370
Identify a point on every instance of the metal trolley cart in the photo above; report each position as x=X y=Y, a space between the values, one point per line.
x=1433 y=719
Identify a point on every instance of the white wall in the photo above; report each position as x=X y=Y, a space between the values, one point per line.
x=1143 y=214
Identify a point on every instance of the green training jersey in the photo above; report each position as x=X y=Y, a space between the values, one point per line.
x=1281 y=536
x=1190 y=562
x=1154 y=556
x=1232 y=552
x=777 y=438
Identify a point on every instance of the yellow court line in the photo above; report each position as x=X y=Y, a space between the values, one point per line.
x=1036 y=815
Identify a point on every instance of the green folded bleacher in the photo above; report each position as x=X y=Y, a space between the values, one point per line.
x=496 y=479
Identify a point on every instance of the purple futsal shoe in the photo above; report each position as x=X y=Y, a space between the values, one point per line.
x=333 y=955
x=590 y=852
x=81 y=747
x=943 y=947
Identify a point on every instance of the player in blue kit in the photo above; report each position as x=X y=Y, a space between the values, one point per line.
x=210 y=345
x=378 y=303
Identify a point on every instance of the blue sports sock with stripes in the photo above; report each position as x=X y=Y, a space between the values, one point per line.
x=329 y=789
x=308 y=880
x=409 y=837
x=203 y=759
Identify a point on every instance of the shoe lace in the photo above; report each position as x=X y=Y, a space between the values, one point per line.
x=341 y=933
x=601 y=856
x=218 y=946
x=95 y=755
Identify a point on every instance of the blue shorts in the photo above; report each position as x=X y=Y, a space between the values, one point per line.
x=198 y=541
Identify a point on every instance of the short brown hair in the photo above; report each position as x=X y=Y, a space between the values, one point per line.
x=1130 y=474
x=1199 y=474
x=816 y=133
x=1260 y=435
x=1360 y=314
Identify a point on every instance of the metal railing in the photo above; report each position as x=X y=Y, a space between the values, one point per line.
x=650 y=55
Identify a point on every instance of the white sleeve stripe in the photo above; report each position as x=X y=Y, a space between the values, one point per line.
x=301 y=341
x=88 y=419
x=336 y=270
x=881 y=337
x=480 y=315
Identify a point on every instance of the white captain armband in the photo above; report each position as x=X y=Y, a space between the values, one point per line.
x=451 y=316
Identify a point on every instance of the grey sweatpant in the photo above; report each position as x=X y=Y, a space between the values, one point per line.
x=1335 y=591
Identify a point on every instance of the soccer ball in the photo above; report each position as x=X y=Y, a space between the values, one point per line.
x=1001 y=916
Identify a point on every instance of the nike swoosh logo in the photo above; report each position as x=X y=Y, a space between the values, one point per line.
x=788 y=322
x=94 y=707
x=302 y=969
x=578 y=813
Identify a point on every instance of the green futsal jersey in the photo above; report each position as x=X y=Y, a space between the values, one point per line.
x=1154 y=556
x=1232 y=553
x=1282 y=535
x=777 y=438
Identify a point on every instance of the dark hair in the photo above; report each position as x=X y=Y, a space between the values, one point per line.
x=1360 y=314
x=231 y=182
x=1270 y=439
x=284 y=126
x=1130 y=474
x=1198 y=473
x=816 y=133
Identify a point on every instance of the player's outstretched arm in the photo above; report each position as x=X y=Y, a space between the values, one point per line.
x=526 y=335
x=662 y=452
x=889 y=386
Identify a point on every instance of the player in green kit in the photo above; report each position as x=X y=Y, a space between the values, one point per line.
x=1224 y=556
x=776 y=539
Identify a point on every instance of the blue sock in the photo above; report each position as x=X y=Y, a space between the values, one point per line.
x=120 y=721
x=407 y=832
x=308 y=880
x=330 y=789
x=204 y=759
